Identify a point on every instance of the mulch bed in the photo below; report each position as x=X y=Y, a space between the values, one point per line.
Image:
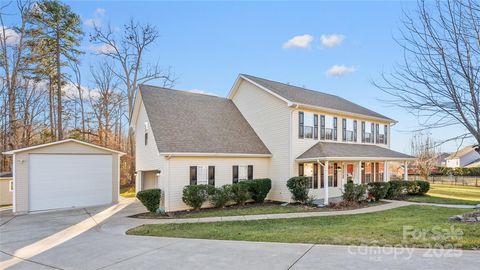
x=340 y=206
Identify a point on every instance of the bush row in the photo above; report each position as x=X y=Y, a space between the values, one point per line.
x=150 y=198
x=457 y=171
x=196 y=195
x=399 y=189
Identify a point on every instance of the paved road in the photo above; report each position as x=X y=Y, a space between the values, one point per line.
x=92 y=239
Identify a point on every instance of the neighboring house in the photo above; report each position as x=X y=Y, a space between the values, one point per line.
x=262 y=129
x=466 y=157
x=6 y=188
x=441 y=160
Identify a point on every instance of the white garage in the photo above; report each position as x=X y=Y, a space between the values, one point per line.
x=64 y=174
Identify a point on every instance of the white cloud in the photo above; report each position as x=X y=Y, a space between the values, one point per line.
x=340 y=70
x=96 y=19
x=302 y=41
x=71 y=92
x=13 y=38
x=198 y=91
x=104 y=48
x=330 y=41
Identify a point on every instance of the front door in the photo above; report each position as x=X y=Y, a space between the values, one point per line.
x=350 y=172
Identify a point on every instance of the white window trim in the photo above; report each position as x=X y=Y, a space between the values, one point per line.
x=240 y=175
x=201 y=181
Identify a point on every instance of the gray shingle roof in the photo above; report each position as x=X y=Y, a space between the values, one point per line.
x=462 y=152
x=314 y=98
x=185 y=122
x=346 y=150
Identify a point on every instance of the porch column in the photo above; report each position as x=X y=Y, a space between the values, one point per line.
x=138 y=181
x=359 y=169
x=325 y=183
x=385 y=171
x=405 y=170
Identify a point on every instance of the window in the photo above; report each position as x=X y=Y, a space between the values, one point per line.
x=146 y=133
x=202 y=175
x=10 y=186
x=368 y=137
x=381 y=136
x=332 y=175
x=349 y=130
x=330 y=128
x=309 y=170
x=308 y=125
x=242 y=172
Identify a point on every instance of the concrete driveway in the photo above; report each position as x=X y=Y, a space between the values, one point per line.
x=75 y=239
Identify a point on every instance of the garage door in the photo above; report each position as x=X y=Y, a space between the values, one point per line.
x=61 y=181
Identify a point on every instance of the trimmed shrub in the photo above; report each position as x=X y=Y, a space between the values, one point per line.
x=150 y=198
x=378 y=189
x=298 y=186
x=397 y=189
x=195 y=195
x=354 y=192
x=259 y=188
x=240 y=192
x=424 y=187
x=219 y=197
x=412 y=187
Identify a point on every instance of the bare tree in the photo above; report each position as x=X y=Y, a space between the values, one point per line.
x=12 y=49
x=77 y=82
x=439 y=79
x=128 y=53
x=424 y=148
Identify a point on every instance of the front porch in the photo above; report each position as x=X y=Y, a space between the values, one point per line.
x=331 y=165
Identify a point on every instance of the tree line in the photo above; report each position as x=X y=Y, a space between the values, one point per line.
x=44 y=96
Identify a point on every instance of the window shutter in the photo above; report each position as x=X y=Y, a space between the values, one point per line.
x=146 y=138
x=363 y=172
x=335 y=128
x=344 y=129
x=322 y=127
x=372 y=131
x=377 y=133
x=235 y=174
x=322 y=180
x=385 y=131
x=315 y=175
x=250 y=172
x=300 y=169
x=355 y=130
x=211 y=175
x=335 y=175
x=363 y=131
x=315 y=126
x=193 y=175
x=300 y=125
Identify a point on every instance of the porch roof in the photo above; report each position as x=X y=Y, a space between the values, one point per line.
x=350 y=151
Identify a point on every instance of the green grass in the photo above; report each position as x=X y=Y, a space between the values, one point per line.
x=380 y=228
x=450 y=195
x=254 y=209
x=127 y=192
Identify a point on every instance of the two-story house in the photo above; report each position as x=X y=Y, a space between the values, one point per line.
x=466 y=157
x=262 y=129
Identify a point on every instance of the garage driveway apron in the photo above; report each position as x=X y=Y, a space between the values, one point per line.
x=105 y=246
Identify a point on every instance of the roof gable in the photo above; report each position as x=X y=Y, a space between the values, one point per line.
x=185 y=122
x=302 y=96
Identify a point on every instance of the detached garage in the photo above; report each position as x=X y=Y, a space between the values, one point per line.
x=64 y=174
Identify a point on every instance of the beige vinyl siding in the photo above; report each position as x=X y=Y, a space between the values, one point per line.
x=270 y=118
x=179 y=174
x=147 y=157
x=6 y=195
x=21 y=173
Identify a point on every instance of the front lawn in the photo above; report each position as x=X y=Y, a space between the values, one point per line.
x=449 y=194
x=380 y=228
x=127 y=192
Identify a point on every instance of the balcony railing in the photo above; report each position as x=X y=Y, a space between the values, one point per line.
x=349 y=136
x=381 y=138
x=329 y=133
x=368 y=137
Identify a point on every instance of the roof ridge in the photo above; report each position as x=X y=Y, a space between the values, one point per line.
x=311 y=90
x=179 y=90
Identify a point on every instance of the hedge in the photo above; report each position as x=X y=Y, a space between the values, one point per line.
x=457 y=171
x=259 y=188
x=298 y=186
x=354 y=192
x=219 y=197
x=195 y=195
x=378 y=189
x=399 y=189
x=240 y=192
x=150 y=198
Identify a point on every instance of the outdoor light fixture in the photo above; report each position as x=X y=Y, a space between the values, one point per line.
x=158 y=172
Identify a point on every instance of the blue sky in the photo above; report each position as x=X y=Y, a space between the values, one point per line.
x=208 y=43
